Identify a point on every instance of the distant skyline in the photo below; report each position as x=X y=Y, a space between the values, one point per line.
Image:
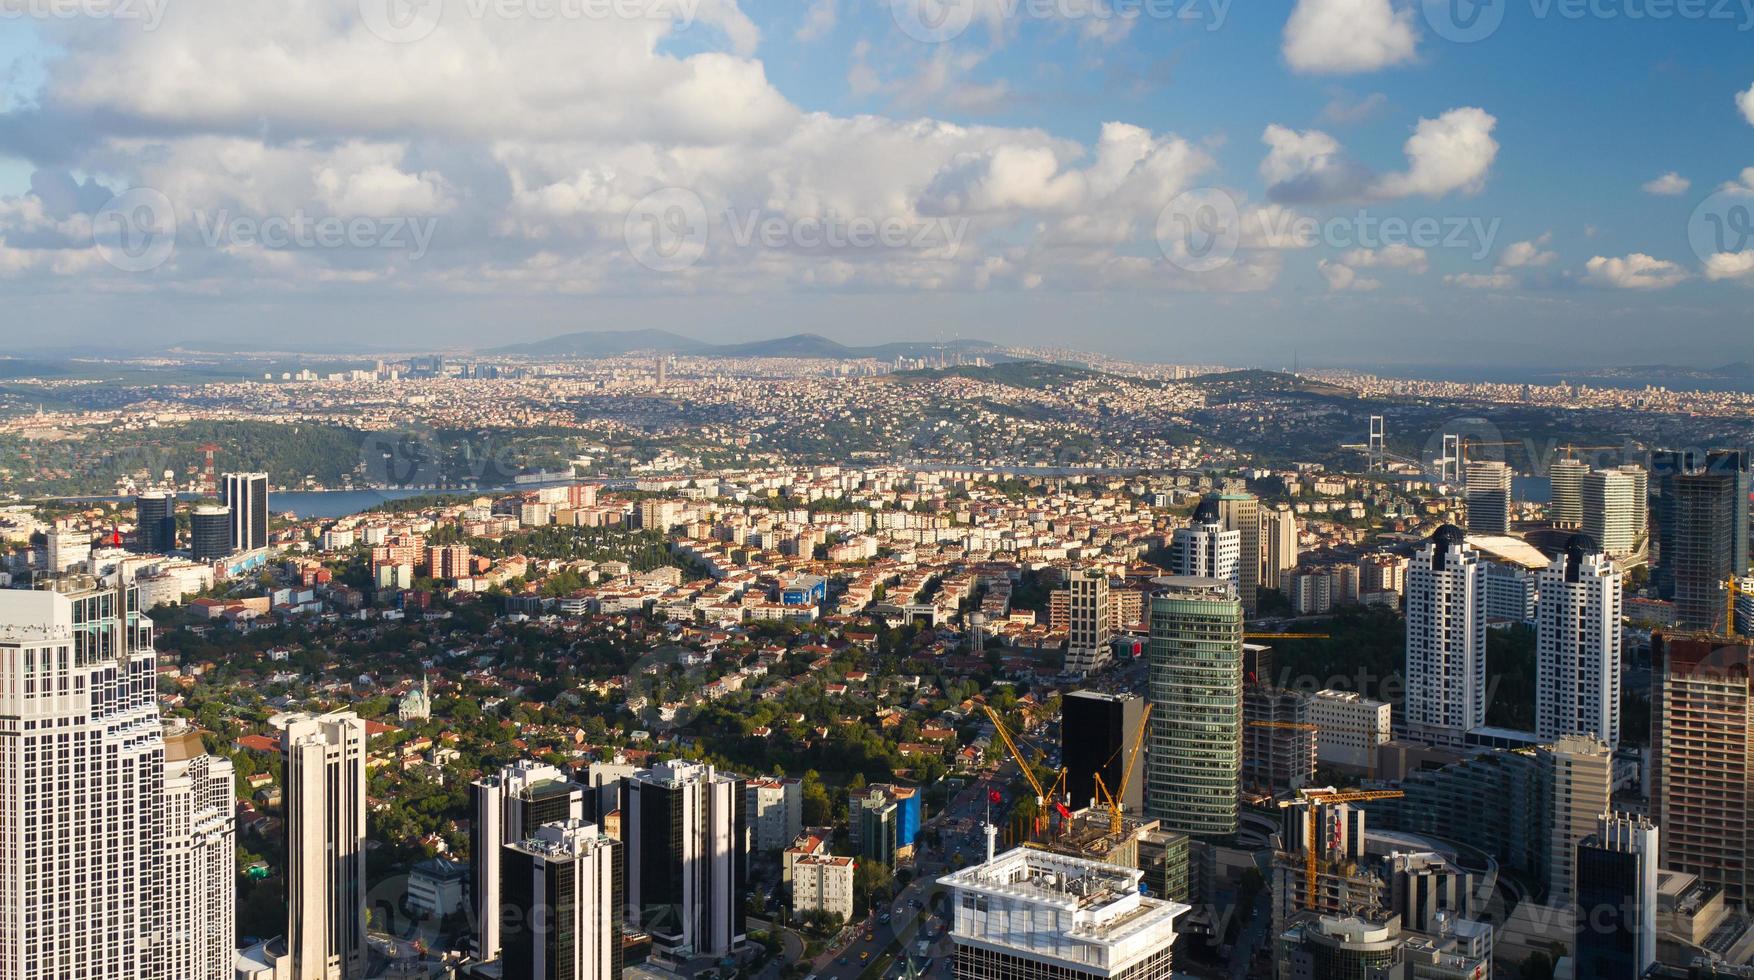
x=1543 y=189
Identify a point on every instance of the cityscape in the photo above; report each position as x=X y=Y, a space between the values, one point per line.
x=876 y=490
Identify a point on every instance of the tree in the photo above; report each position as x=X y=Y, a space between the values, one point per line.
x=818 y=808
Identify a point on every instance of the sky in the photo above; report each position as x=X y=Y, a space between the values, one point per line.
x=1509 y=183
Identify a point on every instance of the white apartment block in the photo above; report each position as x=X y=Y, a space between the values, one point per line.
x=1350 y=727
x=1088 y=628
x=1446 y=641
x=1036 y=915
x=1580 y=773
x=1205 y=550
x=776 y=812
x=325 y=852
x=823 y=883
x=198 y=877
x=1278 y=544
x=1578 y=646
x=1616 y=509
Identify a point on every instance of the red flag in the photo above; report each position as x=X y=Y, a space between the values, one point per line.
x=116 y=536
x=994 y=798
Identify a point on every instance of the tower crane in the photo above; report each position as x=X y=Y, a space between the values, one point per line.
x=1316 y=800
x=1113 y=800
x=1042 y=796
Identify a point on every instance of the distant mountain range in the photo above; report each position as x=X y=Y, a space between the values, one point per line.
x=614 y=343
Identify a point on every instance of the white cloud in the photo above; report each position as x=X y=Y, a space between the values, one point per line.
x=1745 y=102
x=1670 y=184
x=1343 y=111
x=1743 y=184
x=1635 y=271
x=1349 y=36
x=1453 y=152
x=819 y=20
x=1731 y=265
x=1396 y=256
x=1473 y=280
x=1342 y=277
x=1527 y=255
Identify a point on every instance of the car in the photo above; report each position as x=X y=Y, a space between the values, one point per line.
x=843 y=961
x=864 y=954
x=885 y=917
x=870 y=937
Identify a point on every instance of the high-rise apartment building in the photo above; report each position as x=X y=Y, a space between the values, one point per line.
x=1702 y=531
x=508 y=808
x=687 y=857
x=1616 y=897
x=82 y=771
x=1096 y=730
x=1204 y=549
x=325 y=845
x=1088 y=631
x=65 y=549
x=247 y=496
x=1037 y=915
x=155 y=523
x=197 y=878
x=1567 y=507
x=1241 y=512
x=1616 y=509
x=776 y=812
x=1194 y=769
x=1488 y=497
x=1577 y=645
x=561 y=898
x=1577 y=776
x=1278 y=544
x=1702 y=733
x=1446 y=640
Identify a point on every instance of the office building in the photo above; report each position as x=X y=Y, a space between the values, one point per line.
x=823 y=884
x=197 y=876
x=325 y=845
x=1278 y=740
x=776 y=812
x=884 y=821
x=1349 y=728
x=1096 y=732
x=209 y=532
x=247 y=496
x=1088 y=632
x=1241 y=513
x=1446 y=641
x=508 y=808
x=1278 y=544
x=1035 y=915
x=1577 y=780
x=686 y=857
x=1194 y=769
x=1702 y=531
x=155 y=524
x=1488 y=497
x=1616 y=900
x=82 y=764
x=561 y=897
x=1567 y=508
x=1376 y=946
x=1616 y=510
x=1702 y=730
x=1204 y=549
x=1577 y=645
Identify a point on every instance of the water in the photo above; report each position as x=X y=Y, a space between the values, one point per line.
x=324 y=504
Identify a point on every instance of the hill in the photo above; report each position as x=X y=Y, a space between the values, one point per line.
x=613 y=343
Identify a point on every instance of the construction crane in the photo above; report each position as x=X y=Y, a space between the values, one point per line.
x=1732 y=591
x=1113 y=800
x=1285 y=636
x=1042 y=796
x=1296 y=726
x=1314 y=800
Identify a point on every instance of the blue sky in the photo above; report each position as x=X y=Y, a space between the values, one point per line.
x=1034 y=179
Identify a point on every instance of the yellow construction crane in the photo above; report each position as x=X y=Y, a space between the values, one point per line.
x=1314 y=800
x=1042 y=796
x=1732 y=590
x=1113 y=800
x=1285 y=636
x=1300 y=726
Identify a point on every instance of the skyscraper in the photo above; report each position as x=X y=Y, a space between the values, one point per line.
x=1194 y=769
x=1577 y=778
x=1702 y=734
x=1241 y=512
x=1446 y=640
x=247 y=496
x=1096 y=730
x=561 y=895
x=82 y=769
x=197 y=879
x=325 y=845
x=1204 y=549
x=1617 y=900
x=1087 y=637
x=1577 y=645
x=1616 y=509
x=210 y=532
x=1567 y=476
x=507 y=808
x=686 y=857
x=1702 y=531
x=155 y=524
x=1278 y=545
x=1488 y=497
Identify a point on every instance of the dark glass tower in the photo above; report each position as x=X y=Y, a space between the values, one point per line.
x=155 y=520
x=1095 y=729
x=1702 y=531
